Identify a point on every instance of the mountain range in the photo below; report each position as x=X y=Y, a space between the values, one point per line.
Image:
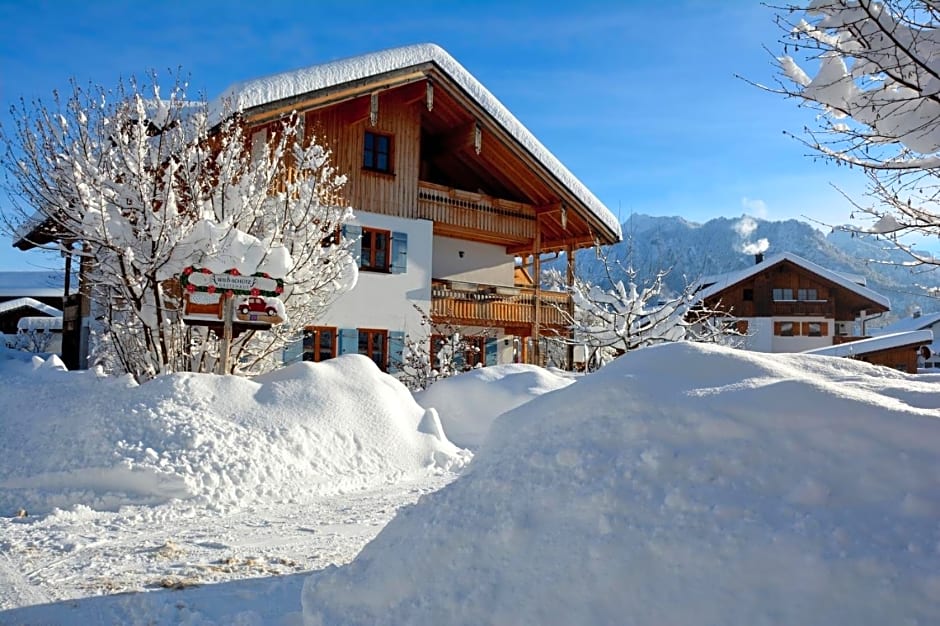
x=694 y=251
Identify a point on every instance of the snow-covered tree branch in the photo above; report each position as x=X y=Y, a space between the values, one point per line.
x=147 y=183
x=872 y=70
x=632 y=313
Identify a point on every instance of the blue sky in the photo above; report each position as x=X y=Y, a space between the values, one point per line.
x=638 y=99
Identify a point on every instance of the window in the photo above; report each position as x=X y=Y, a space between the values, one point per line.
x=783 y=294
x=319 y=343
x=786 y=329
x=377 y=152
x=374 y=252
x=815 y=329
x=806 y=294
x=748 y=295
x=374 y=344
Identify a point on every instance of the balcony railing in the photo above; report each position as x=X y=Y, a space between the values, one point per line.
x=473 y=304
x=820 y=308
x=475 y=212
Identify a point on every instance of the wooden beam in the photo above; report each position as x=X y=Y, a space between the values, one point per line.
x=569 y=281
x=537 y=279
x=551 y=245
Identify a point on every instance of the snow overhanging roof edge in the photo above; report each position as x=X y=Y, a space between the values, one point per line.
x=258 y=92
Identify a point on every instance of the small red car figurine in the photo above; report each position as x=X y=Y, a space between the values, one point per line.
x=255 y=304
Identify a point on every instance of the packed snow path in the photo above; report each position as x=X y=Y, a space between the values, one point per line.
x=48 y=564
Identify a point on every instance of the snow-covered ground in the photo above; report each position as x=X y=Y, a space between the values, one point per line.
x=682 y=484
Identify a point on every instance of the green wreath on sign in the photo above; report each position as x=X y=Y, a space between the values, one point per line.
x=208 y=286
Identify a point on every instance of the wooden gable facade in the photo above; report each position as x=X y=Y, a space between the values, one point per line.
x=786 y=289
x=789 y=304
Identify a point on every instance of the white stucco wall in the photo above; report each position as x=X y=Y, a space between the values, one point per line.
x=384 y=301
x=761 y=336
x=480 y=263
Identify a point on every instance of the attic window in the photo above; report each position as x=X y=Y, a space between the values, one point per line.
x=377 y=152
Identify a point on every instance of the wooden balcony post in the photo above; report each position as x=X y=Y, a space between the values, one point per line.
x=537 y=279
x=569 y=253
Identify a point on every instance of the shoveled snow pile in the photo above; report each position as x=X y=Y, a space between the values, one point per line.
x=682 y=484
x=309 y=429
x=458 y=400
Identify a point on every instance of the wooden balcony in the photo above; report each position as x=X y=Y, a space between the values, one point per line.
x=804 y=308
x=476 y=216
x=471 y=304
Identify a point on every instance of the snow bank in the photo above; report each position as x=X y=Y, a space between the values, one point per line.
x=682 y=484
x=76 y=438
x=459 y=399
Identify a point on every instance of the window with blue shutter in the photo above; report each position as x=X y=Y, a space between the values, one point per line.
x=492 y=345
x=348 y=341
x=399 y=253
x=352 y=234
x=396 y=351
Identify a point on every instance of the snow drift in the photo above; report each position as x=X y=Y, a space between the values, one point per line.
x=683 y=484
x=458 y=399
x=309 y=429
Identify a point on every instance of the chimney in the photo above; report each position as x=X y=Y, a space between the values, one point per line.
x=758 y=258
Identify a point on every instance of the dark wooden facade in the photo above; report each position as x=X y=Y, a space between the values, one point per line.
x=754 y=296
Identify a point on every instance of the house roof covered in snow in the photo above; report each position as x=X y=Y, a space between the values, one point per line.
x=381 y=67
x=21 y=303
x=911 y=323
x=876 y=344
x=716 y=284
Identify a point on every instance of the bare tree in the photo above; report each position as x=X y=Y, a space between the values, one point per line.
x=633 y=313
x=872 y=70
x=435 y=352
x=148 y=183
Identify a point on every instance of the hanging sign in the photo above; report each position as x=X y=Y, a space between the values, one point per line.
x=206 y=294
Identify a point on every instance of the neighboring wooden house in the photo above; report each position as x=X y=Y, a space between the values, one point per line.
x=31 y=300
x=448 y=190
x=919 y=321
x=789 y=304
x=901 y=351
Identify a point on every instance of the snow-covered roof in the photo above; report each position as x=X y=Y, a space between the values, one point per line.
x=19 y=303
x=38 y=284
x=716 y=284
x=260 y=91
x=39 y=323
x=911 y=323
x=876 y=344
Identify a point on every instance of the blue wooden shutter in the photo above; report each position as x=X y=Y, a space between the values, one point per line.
x=399 y=253
x=352 y=234
x=396 y=349
x=293 y=350
x=348 y=341
x=492 y=345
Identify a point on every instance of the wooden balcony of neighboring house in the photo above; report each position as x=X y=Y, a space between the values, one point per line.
x=456 y=212
x=473 y=304
x=804 y=308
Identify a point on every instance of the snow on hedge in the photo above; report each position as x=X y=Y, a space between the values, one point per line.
x=459 y=399
x=308 y=429
x=682 y=484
